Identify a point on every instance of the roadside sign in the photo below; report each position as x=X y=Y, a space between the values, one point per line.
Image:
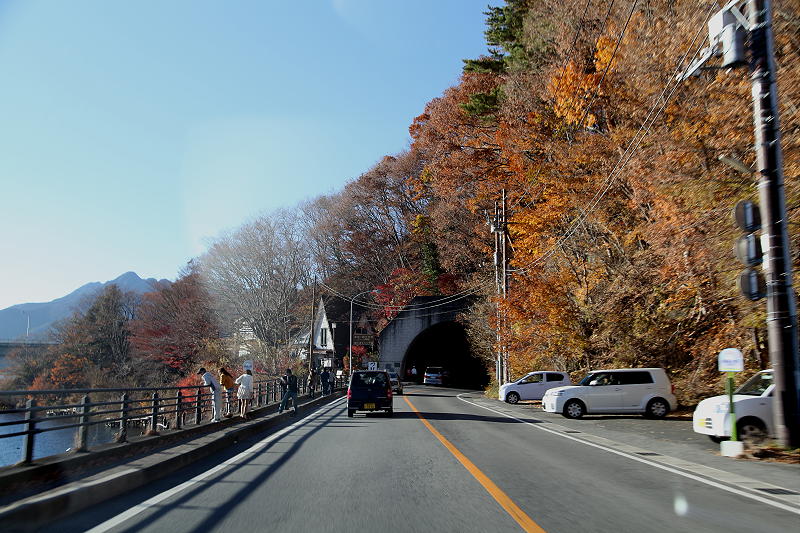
x=372 y=365
x=248 y=365
x=730 y=360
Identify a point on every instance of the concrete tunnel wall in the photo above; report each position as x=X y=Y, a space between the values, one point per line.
x=396 y=338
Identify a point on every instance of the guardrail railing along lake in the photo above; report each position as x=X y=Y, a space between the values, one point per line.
x=149 y=408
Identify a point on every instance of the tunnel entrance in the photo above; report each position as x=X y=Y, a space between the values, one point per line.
x=445 y=344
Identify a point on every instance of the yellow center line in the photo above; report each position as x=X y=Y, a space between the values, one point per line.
x=501 y=497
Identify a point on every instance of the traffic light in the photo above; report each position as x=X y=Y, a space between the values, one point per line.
x=748 y=250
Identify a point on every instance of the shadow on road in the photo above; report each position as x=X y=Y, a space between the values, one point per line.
x=466 y=417
x=236 y=497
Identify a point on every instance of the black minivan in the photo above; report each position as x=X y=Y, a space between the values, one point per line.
x=369 y=390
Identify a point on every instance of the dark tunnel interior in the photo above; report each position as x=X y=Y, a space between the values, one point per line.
x=445 y=344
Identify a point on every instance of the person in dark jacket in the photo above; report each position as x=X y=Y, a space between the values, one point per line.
x=325 y=378
x=289 y=380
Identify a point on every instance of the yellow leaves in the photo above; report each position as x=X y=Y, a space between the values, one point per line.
x=574 y=89
x=605 y=54
x=571 y=92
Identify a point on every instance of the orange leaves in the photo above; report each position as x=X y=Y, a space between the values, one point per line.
x=68 y=372
x=571 y=92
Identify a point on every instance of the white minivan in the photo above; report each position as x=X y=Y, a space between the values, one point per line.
x=532 y=386
x=626 y=390
x=752 y=403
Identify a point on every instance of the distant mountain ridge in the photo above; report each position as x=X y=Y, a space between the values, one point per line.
x=14 y=319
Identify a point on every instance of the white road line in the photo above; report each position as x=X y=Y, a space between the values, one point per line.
x=742 y=493
x=155 y=500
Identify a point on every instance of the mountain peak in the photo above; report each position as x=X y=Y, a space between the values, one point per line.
x=14 y=323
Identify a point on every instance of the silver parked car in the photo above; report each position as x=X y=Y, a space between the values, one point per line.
x=397 y=385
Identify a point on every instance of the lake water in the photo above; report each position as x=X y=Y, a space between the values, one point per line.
x=48 y=443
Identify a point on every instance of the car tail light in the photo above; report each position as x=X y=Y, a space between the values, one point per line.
x=673 y=388
x=348 y=393
x=389 y=392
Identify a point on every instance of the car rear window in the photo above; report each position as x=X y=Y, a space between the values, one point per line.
x=366 y=379
x=433 y=370
x=554 y=377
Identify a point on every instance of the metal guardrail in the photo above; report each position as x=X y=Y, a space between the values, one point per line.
x=148 y=407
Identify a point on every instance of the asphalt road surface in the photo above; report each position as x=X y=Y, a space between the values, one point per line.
x=451 y=460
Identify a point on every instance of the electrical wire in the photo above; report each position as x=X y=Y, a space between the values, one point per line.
x=558 y=86
x=427 y=305
x=621 y=162
x=610 y=61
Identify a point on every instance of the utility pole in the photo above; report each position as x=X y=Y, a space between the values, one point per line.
x=311 y=332
x=498 y=365
x=781 y=306
x=727 y=30
x=498 y=228
x=503 y=236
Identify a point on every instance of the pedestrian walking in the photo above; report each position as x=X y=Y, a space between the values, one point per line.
x=213 y=385
x=226 y=380
x=245 y=392
x=413 y=373
x=325 y=379
x=312 y=382
x=289 y=380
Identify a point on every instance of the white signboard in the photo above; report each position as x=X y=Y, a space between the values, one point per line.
x=248 y=365
x=372 y=365
x=730 y=360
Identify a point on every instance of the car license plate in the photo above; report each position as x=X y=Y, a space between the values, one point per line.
x=369 y=406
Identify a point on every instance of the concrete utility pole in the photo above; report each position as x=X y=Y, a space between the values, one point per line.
x=781 y=306
x=504 y=237
x=498 y=228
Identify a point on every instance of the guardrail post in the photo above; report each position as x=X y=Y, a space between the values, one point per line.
x=154 y=415
x=83 y=429
x=30 y=428
x=259 y=398
x=123 y=423
x=179 y=410
x=198 y=413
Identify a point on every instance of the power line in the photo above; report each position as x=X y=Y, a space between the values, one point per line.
x=427 y=305
x=630 y=150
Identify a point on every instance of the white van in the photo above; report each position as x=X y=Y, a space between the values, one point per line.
x=752 y=403
x=532 y=386
x=625 y=390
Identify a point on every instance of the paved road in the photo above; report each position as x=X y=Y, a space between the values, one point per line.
x=472 y=465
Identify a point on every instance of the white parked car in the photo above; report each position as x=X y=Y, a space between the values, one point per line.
x=753 y=410
x=628 y=390
x=532 y=386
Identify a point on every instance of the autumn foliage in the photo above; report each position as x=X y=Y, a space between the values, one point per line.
x=618 y=207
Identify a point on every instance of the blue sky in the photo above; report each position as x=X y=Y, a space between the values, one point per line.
x=133 y=132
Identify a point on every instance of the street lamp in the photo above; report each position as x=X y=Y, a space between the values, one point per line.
x=350 y=346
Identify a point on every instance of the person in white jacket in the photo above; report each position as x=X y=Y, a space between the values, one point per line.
x=245 y=392
x=216 y=392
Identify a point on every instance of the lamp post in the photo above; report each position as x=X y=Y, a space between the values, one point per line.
x=350 y=346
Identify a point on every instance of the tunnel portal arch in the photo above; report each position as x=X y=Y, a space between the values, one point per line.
x=426 y=333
